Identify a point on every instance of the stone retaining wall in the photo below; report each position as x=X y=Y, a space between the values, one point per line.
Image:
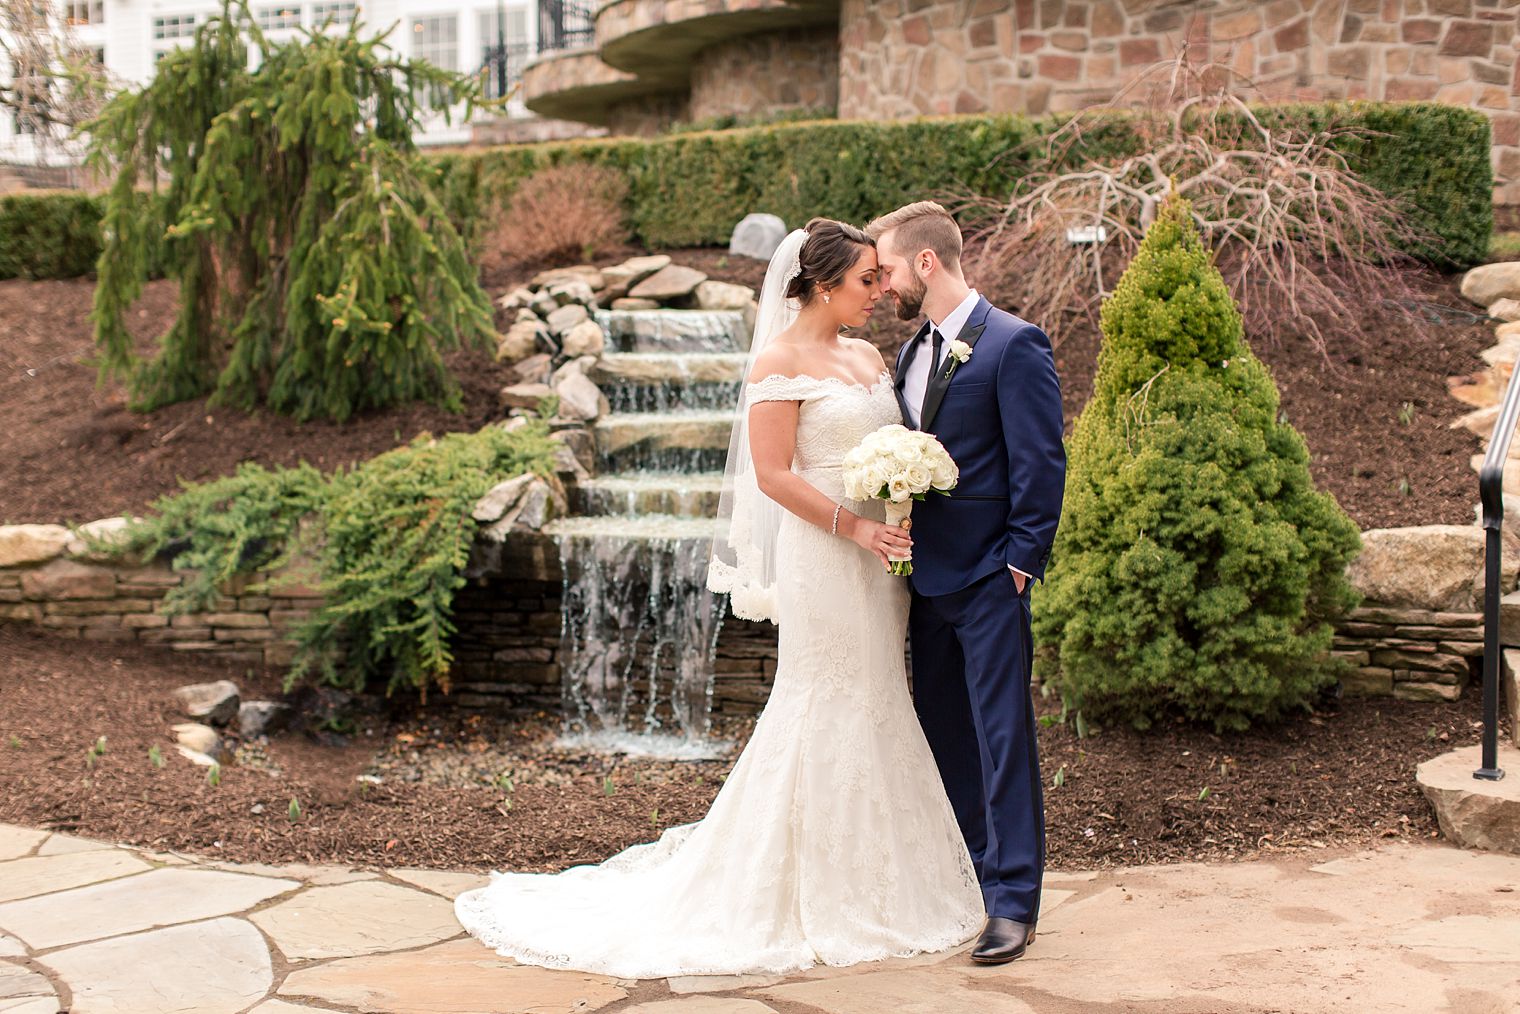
x=114 y=602
x=1417 y=637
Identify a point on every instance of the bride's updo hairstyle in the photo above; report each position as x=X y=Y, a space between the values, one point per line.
x=826 y=257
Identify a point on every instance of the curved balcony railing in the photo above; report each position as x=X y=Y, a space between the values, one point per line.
x=566 y=24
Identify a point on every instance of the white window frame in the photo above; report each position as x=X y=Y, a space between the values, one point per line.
x=278 y=17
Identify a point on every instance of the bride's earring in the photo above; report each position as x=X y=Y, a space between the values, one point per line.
x=825 y=297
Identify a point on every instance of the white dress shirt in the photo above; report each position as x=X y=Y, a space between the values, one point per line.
x=916 y=380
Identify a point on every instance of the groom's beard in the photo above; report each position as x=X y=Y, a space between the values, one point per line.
x=910 y=299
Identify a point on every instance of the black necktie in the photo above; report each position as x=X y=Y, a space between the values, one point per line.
x=936 y=343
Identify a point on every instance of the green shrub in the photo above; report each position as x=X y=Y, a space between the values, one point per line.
x=241 y=523
x=397 y=533
x=48 y=235
x=692 y=188
x=390 y=539
x=1197 y=568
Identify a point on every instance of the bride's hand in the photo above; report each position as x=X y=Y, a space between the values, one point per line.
x=876 y=537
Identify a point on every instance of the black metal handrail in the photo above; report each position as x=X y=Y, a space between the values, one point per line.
x=502 y=68
x=1491 y=495
x=565 y=24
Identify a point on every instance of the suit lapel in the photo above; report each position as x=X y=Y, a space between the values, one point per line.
x=939 y=383
x=904 y=360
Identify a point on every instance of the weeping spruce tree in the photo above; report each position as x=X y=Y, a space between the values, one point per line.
x=1197 y=568
x=318 y=273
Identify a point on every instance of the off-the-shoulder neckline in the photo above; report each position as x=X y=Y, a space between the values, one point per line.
x=882 y=378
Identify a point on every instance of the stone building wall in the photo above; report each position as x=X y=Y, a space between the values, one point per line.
x=761 y=75
x=904 y=58
x=643 y=117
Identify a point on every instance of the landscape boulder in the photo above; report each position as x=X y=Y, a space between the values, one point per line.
x=21 y=544
x=563 y=319
x=216 y=703
x=619 y=279
x=500 y=497
x=528 y=396
x=1434 y=567
x=579 y=398
x=588 y=275
x=105 y=533
x=1489 y=283
x=520 y=341
x=757 y=236
x=712 y=295
x=260 y=718
x=535 y=369
x=669 y=283
x=572 y=291
x=519 y=298
x=1474 y=813
x=1506 y=310
x=584 y=339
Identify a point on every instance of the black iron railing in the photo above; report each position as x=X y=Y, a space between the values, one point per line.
x=1491 y=494
x=566 y=24
x=502 y=68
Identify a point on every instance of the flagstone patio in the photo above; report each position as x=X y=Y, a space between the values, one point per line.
x=92 y=928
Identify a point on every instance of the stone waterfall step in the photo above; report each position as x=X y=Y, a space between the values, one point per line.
x=645 y=493
x=686 y=441
x=675 y=330
x=650 y=527
x=644 y=368
x=669 y=381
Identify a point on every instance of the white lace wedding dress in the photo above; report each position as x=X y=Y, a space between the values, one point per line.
x=832 y=840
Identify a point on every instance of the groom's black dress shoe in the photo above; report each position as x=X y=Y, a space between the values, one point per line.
x=1002 y=941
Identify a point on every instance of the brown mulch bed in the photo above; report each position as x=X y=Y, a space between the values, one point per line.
x=1340 y=777
x=75 y=452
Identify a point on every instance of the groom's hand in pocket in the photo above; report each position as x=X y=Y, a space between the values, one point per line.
x=1020 y=579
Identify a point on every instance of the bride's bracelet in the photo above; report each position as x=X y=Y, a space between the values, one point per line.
x=834 y=528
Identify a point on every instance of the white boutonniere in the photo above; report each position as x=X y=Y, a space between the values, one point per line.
x=959 y=352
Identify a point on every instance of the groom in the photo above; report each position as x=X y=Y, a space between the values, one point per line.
x=976 y=552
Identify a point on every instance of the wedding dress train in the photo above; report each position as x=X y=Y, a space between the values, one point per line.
x=832 y=840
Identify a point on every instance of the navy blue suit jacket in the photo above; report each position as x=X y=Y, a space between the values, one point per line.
x=998 y=414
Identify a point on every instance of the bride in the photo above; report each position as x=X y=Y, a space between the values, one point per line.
x=832 y=840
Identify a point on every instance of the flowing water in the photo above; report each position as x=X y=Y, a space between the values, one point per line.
x=640 y=627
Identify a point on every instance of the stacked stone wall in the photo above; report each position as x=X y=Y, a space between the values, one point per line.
x=905 y=58
x=1417 y=637
x=758 y=76
x=55 y=583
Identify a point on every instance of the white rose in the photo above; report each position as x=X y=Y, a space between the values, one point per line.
x=917 y=475
x=898 y=490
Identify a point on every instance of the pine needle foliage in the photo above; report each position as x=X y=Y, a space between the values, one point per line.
x=1197 y=569
x=397 y=534
x=319 y=274
x=390 y=539
x=241 y=523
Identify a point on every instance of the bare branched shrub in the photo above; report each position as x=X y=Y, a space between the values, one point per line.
x=561 y=215
x=50 y=83
x=1305 y=245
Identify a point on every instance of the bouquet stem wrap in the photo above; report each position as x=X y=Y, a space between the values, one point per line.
x=899 y=516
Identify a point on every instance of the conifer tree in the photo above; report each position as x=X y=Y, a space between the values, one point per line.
x=319 y=275
x=1197 y=568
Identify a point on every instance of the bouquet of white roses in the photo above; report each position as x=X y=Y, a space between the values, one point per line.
x=898 y=465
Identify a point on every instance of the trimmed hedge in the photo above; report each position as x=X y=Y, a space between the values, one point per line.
x=691 y=189
x=54 y=234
